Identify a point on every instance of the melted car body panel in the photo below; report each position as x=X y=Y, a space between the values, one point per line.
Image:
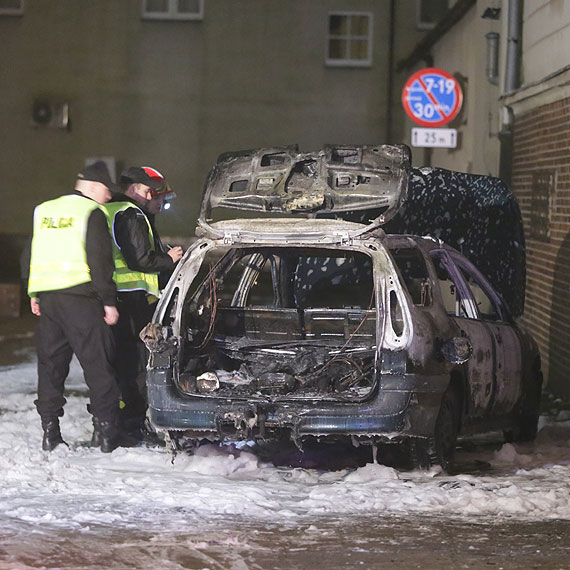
x=284 y=181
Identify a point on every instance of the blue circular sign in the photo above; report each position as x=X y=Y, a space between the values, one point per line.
x=432 y=97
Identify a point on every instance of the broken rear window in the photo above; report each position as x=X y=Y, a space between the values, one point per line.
x=412 y=267
x=275 y=321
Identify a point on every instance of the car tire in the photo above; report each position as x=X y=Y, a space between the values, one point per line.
x=440 y=448
x=527 y=421
x=447 y=428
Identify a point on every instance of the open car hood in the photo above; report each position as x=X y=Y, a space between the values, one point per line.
x=282 y=181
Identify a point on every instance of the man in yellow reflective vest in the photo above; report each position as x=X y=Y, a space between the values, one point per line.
x=142 y=267
x=71 y=289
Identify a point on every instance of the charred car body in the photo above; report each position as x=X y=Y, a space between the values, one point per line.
x=307 y=325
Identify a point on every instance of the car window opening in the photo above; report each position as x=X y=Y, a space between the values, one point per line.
x=486 y=307
x=455 y=304
x=289 y=322
x=396 y=316
x=412 y=267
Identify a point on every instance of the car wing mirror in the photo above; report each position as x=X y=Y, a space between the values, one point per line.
x=457 y=350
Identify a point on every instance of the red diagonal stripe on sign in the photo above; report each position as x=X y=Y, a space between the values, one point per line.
x=432 y=98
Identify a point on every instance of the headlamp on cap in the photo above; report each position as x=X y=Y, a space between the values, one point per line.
x=143 y=175
x=165 y=191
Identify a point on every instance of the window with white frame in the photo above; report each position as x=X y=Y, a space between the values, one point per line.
x=173 y=9
x=11 y=7
x=430 y=12
x=349 y=39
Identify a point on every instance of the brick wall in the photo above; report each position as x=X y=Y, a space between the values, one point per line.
x=541 y=155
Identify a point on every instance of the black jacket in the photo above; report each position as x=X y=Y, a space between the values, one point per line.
x=99 y=252
x=132 y=236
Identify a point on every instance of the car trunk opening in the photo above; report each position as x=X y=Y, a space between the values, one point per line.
x=280 y=323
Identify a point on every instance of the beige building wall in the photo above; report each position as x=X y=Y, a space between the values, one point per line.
x=132 y=87
x=462 y=51
x=545 y=39
x=174 y=95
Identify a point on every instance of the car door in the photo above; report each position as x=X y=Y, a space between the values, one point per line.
x=506 y=344
x=459 y=306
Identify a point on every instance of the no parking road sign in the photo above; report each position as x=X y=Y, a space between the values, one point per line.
x=432 y=97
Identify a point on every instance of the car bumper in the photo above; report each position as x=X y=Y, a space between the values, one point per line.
x=405 y=405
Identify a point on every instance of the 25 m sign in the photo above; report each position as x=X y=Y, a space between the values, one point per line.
x=432 y=97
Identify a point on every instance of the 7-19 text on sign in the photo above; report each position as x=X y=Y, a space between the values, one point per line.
x=437 y=138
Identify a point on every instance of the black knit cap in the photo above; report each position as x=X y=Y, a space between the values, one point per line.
x=96 y=172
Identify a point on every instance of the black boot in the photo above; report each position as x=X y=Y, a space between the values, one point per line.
x=134 y=427
x=52 y=434
x=96 y=437
x=108 y=435
x=105 y=435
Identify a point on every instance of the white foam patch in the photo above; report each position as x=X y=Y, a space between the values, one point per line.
x=142 y=487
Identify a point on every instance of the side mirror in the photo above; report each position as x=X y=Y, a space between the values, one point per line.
x=457 y=350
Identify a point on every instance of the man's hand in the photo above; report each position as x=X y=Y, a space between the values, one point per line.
x=35 y=306
x=111 y=315
x=175 y=253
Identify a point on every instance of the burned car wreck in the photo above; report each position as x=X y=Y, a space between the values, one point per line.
x=300 y=323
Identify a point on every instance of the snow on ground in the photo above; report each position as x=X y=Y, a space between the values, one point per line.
x=141 y=487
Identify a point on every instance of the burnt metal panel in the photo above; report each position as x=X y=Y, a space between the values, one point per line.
x=283 y=180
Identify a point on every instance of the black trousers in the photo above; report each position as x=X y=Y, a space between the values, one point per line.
x=74 y=324
x=131 y=353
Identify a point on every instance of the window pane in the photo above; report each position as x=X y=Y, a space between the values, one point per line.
x=10 y=4
x=333 y=279
x=413 y=269
x=261 y=292
x=338 y=25
x=156 y=6
x=396 y=317
x=189 y=6
x=359 y=49
x=12 y=7
x=485 y=305
x=349 y=39
x=338 y=49
x=359 y=26
x=452 y=301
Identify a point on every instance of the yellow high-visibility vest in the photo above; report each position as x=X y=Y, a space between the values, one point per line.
x=58 y=258
x=125 y=278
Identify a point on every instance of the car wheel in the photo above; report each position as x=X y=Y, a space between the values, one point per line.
x=439 y=449
x=530 y=408
x=446 y=429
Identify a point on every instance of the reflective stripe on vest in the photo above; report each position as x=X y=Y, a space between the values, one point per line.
x=127 y=279
x=58 y=257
